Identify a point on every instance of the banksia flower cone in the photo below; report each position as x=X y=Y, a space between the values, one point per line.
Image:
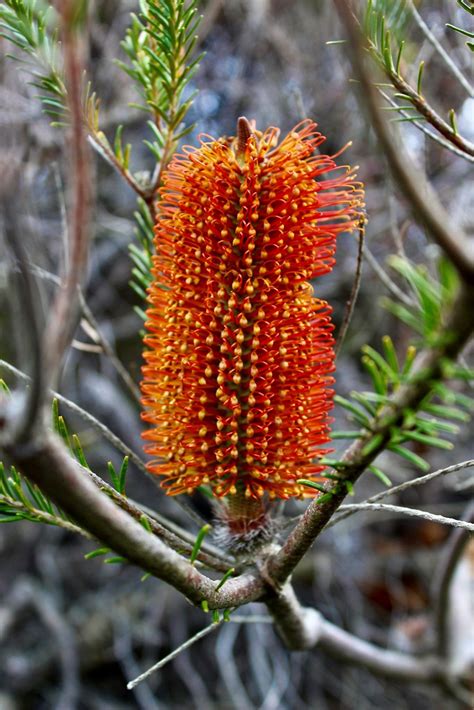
x=239 y=360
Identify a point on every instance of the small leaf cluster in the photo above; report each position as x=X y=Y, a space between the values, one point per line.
x=430 y=296
x=159 y=44
x=28 y=26
x=22 y=500
x=441 y=412
x=385 y=22
x=73 y=444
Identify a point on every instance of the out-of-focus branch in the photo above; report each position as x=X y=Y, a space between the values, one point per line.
x=426 y=369
x=302 y=628
x=66 y=304
x=442 y=582
x=109 y=351
x=418 y=192
x=28 y=301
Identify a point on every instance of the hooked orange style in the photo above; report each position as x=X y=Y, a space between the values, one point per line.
x=237 y=385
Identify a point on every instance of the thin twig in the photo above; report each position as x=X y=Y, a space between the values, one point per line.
x=197 y=637
x=109 y=156
x=454 y=69
x=421 y=127
x=350 y=305
x=236 y=619
x=421 y=480
x=386 y=280
x=42 y=516
x=413 y=512
x=428 y=112
x=177 y=539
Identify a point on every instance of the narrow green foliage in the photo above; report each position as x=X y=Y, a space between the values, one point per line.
x=117 y=560
x=145 y=522
x=355 y=434
x=25 y=24
x=22 y=500
x=452 y=121
x=468 y=7
x=312 y=484
x=385 y=24
x=78 y=451
x=380 y=475
x=101 y=552
x=97 y=553
x=355 y=412
x=440 y=410
x=159 y=44
x=431 y=296
x=410 y=456
x=373 y=445
x=198 y=542
x=388 y=372
x=122 y=153
x=419 y=78
x=224 y=579
x=118 y=478
x=4 y=387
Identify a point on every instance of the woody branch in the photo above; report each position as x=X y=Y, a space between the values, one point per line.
x=42 y=458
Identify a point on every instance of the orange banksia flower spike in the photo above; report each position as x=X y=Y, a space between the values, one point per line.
x=239 y=351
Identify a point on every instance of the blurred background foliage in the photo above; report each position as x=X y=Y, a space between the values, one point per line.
x=72 y=631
